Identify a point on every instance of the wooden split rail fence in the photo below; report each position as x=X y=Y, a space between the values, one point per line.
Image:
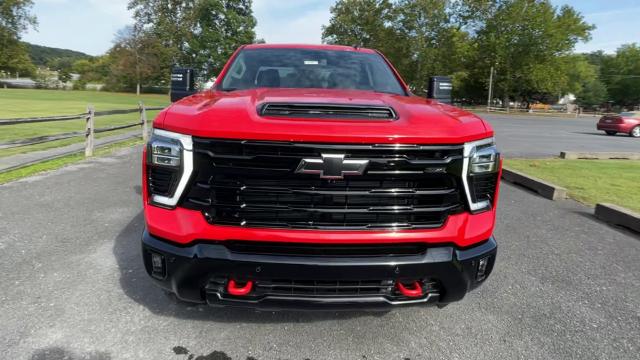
x=90 y=128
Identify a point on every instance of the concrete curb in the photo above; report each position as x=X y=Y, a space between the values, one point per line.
x=573 y=155
x=617 y=215
x=543 y=188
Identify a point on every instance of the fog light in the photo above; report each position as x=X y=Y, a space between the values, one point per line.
x=482 y=268
x=158 y=269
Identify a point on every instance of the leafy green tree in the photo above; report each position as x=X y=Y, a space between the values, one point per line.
x=94 y=69
x=622 y=75
x=582 y=78
x=418 y=36
x=434 y=44
x=15 y=19
x=599 y=58
x=524 y=40
x=14 y=58
x=221 y=26
x=593 y=93
x=83 y=66
x=137 y=58
x=366 y=23
x=371 y=24
x=197 y=33
x=63 y=66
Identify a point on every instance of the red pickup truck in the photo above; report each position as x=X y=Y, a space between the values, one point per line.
x=310 y=177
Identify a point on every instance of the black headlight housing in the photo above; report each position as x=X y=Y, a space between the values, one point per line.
x=169 y=166
x=481 y=168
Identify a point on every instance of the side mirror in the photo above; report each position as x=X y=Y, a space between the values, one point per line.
x=182 y=83
x=440 y=89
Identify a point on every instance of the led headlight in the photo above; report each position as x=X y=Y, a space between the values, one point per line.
x=165 y=152
x=169 y=166
x=480 y=173
x=484 y=159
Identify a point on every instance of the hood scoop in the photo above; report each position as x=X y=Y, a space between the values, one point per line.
x=327 y=111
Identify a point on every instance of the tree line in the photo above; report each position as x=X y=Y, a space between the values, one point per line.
x=15 y=19
x=529 y=45
x=201 y=34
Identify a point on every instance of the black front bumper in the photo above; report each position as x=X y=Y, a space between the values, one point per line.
x=199 y=273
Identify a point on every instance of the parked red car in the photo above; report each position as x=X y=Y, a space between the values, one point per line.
x=625 y=122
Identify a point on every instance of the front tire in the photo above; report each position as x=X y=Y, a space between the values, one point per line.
x=611 y=133
x=635 y=132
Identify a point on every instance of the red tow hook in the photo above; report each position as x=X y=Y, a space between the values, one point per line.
x=414 y=291
x=234 y=289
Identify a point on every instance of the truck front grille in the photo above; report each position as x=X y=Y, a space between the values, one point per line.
x=255 y=184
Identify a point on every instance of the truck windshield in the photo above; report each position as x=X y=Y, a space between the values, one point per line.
x=304 y=68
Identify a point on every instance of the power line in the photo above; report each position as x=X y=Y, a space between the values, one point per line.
x=626 y=76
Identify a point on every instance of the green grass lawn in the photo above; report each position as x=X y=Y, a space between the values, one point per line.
x=15 y=103
x=589 y=181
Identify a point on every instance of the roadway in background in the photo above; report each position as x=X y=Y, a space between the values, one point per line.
x=538 y=136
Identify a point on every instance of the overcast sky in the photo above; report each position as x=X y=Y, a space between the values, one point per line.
x=89 y=25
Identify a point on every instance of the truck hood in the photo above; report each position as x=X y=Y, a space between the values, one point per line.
x=234 y=115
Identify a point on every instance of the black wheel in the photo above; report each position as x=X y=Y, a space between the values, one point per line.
x=635 y=132
x=611 y=133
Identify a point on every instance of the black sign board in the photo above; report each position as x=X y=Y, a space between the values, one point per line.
x=440 y=88
x=182 y=83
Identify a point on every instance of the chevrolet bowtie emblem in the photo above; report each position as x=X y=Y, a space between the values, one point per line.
x=332 y=166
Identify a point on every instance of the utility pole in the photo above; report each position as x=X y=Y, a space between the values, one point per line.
x=490 y=89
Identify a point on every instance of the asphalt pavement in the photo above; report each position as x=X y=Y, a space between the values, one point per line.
x=73 y=287
x=537 y=136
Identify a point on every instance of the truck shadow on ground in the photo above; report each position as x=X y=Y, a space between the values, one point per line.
x=602 y=134
x=58 y=353
x=138 y=286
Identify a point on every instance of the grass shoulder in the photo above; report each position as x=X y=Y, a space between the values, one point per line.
x=60 y=162
x=588 y=181
x=16 y=103
x=26 y=131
